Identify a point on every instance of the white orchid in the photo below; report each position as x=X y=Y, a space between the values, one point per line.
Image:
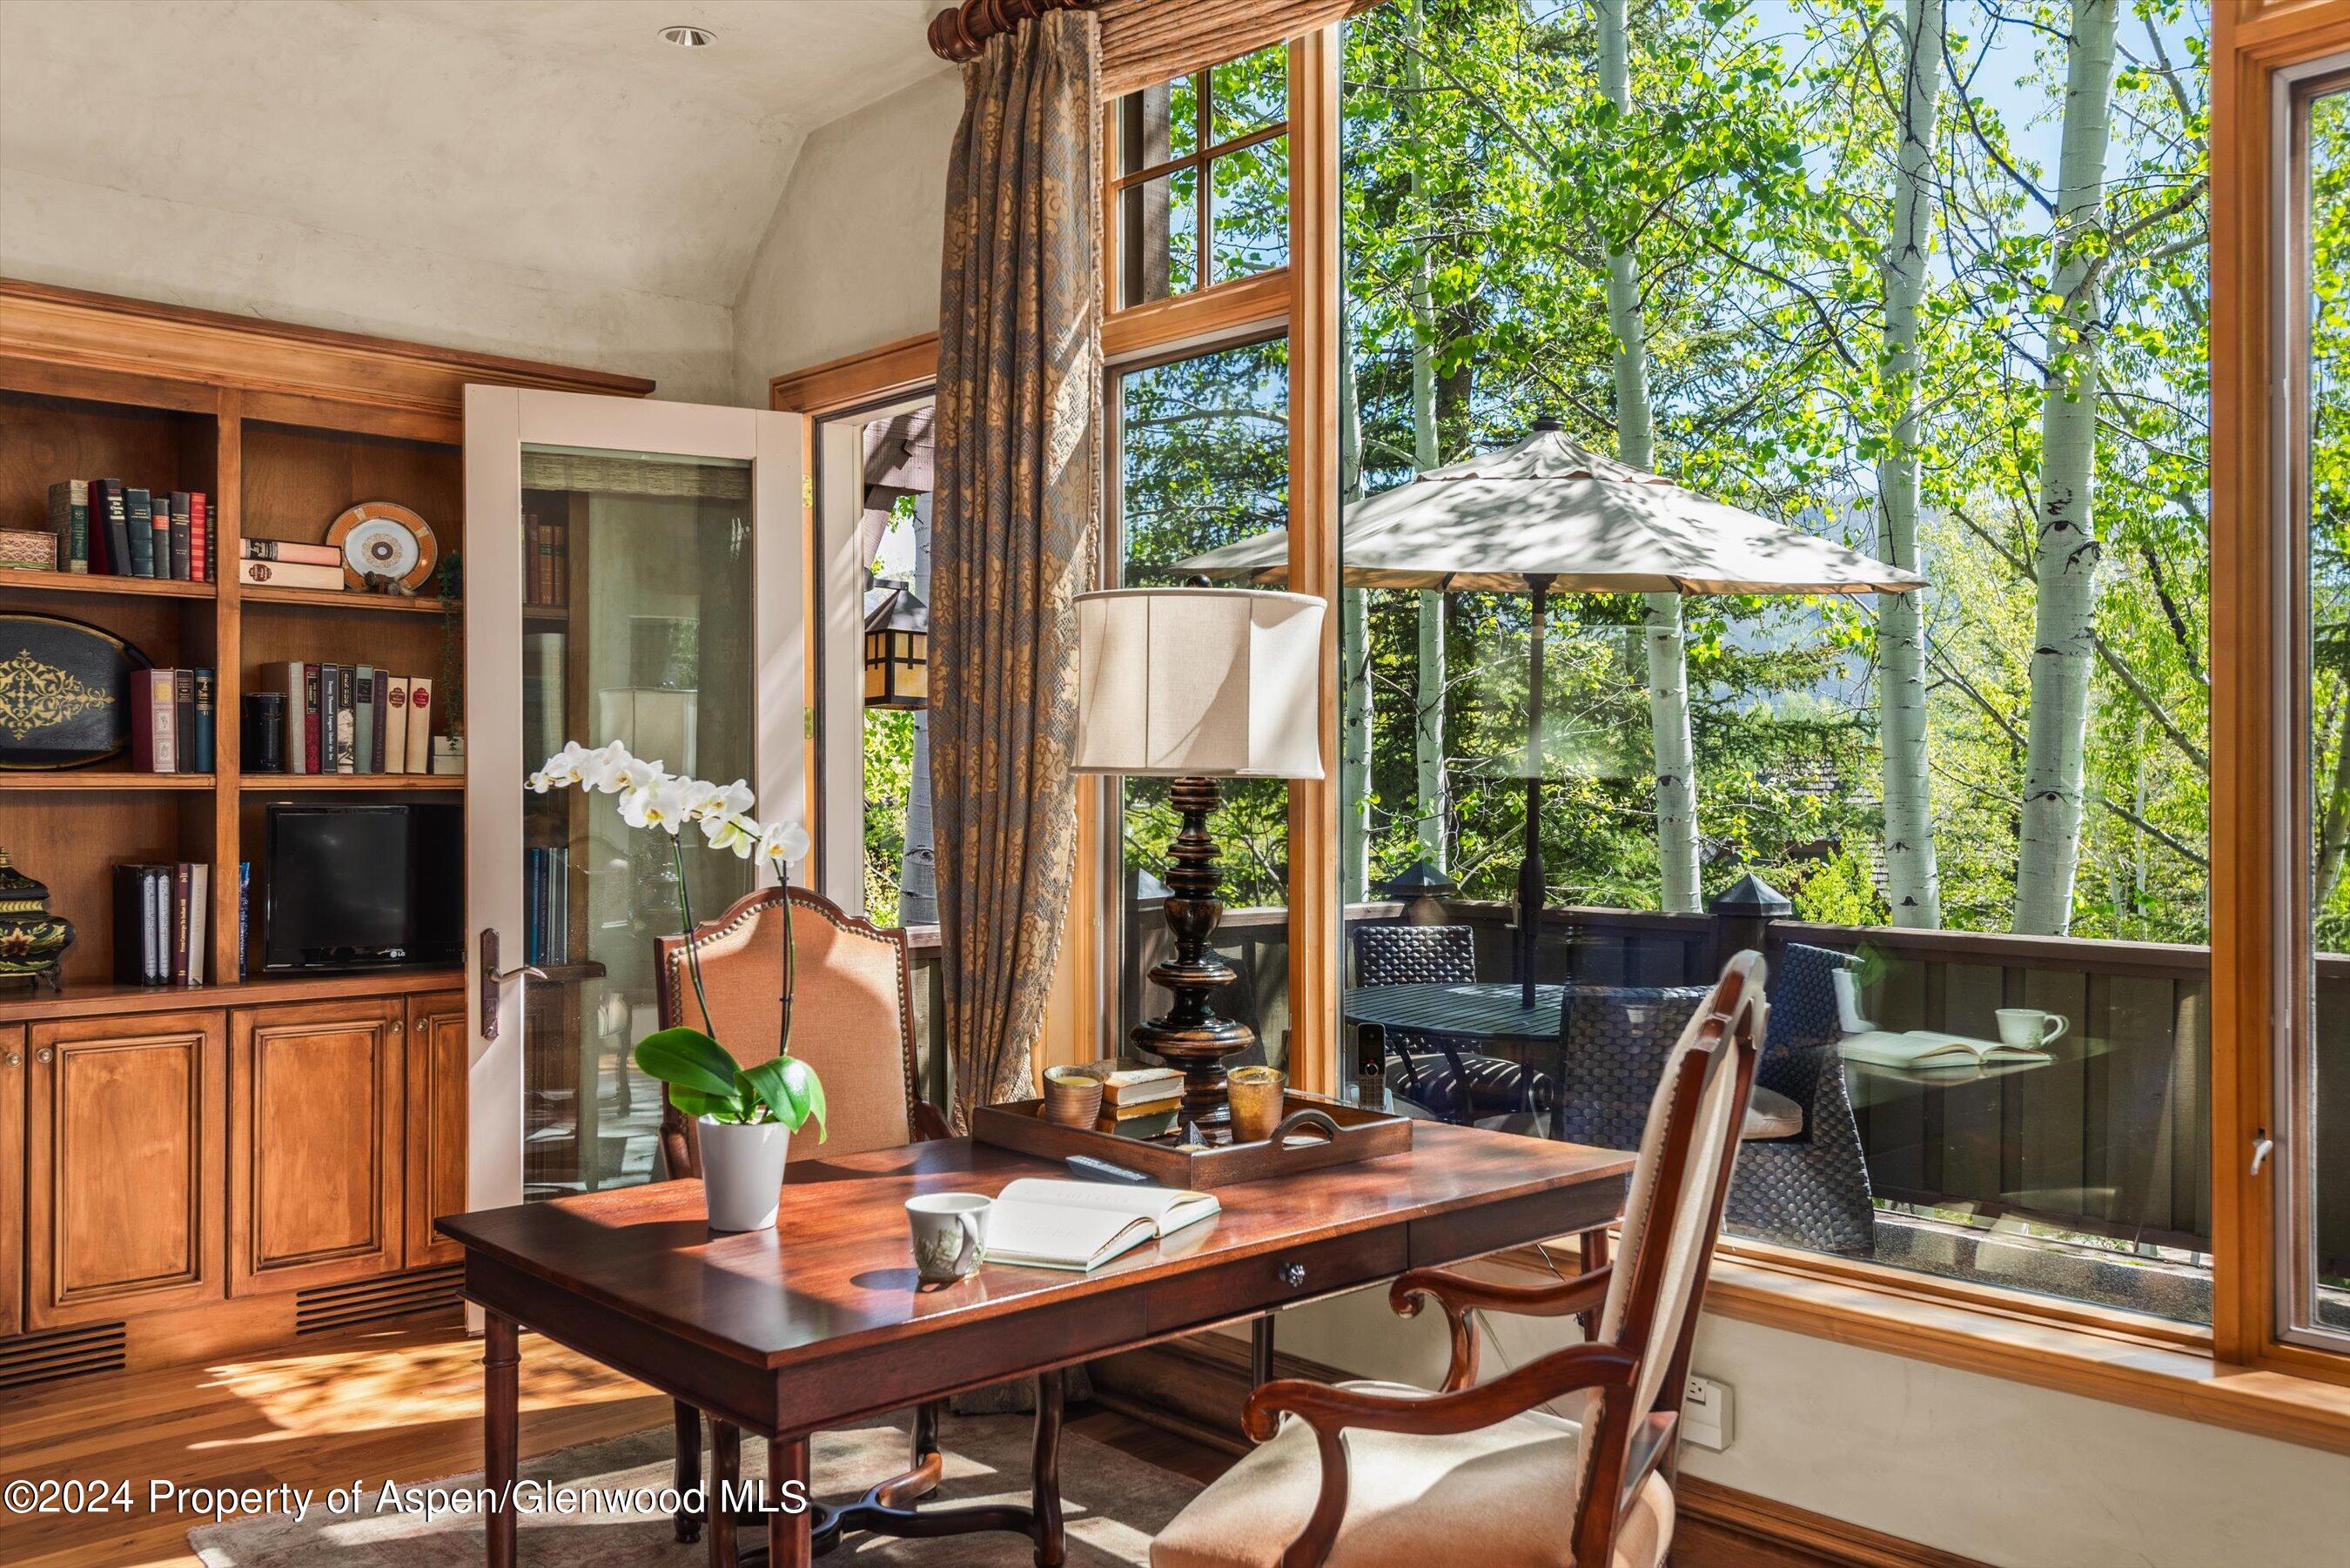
x=662 y=805
x=707 y=803
x=633 y=776
x=731 y=831
x=561 y=769
x=599 y=769
x=781 y=844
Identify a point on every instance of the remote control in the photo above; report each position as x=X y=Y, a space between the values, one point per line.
x=1086 y=1168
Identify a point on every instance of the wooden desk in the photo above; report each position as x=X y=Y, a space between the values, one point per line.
x=819 y=1323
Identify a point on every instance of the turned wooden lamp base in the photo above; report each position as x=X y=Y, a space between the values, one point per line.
x=1189 y=1035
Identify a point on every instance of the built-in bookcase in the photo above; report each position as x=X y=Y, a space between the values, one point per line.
x=284 y=428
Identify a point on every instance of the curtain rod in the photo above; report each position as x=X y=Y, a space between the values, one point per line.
x=959 y=32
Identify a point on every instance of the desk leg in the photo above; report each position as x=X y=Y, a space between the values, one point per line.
x=1260 y=1350
x=1045 y=1484
x=500 y=1432
x=788 y=1534
x=687 y=1471
x=726 y=1471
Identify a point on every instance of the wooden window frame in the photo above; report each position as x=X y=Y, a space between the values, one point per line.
x=1201 y=159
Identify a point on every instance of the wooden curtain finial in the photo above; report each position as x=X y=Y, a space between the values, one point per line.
x=960 y=32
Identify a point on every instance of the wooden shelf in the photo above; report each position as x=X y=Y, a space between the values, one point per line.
x=84 y=1000
x=343 y=599
x=101 y=583
x=69 y=780
x=270 y=784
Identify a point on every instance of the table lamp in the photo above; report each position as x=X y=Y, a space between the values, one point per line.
x=1196 y=684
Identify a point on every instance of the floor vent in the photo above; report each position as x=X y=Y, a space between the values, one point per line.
x=60 y=1353
x=324 y=1308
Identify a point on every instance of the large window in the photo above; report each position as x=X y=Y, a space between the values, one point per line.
x=2315 y=1086
x=1933 y=321
x=1203 y=460
x=1202 y=187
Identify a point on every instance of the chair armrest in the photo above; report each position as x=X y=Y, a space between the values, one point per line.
x=1331 y=1412
x=1460 y=1296
x=928 y=1122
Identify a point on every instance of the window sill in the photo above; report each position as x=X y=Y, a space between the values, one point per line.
x=2167 y=1368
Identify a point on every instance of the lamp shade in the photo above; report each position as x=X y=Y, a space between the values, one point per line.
x=1200 y=682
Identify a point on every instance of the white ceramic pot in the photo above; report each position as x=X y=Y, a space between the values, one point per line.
x=742 y=1172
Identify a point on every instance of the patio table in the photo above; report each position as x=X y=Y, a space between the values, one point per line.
x=1477 y=1010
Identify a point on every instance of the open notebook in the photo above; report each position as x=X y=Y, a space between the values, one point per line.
x=1927 y=1048
x=1042 y=1224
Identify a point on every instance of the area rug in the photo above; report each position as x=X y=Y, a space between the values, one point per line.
x=1112 y=1505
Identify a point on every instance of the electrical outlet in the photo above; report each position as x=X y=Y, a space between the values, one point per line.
x=1705 y=1413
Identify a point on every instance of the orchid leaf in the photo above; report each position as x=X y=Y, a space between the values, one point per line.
x=687 y=1058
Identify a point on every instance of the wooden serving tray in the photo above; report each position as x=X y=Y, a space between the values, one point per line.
x=1020 y=1125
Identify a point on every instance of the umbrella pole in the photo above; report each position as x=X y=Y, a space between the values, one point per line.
x=1530 y=868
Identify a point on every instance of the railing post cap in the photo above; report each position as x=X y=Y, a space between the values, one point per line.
x=1751 y=897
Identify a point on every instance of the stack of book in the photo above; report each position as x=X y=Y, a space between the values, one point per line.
x=104 y=528
x=281 y=563
x=1138 y=1102
x=546 y=906
x=160 y=924
x=546 y=566
x=353 y=718
x=171 y=721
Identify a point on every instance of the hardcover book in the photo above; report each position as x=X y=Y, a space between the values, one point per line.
x=181 y=906
x=288 y=680
x=200 y=919
x=184 y=720
x=346 y=719
x=287 y=551
x=139 y=522
x=111 y=516
x=289 y=574
x=182 y=520
x=395 y=727
x=420 y=725
x=382 y=722
x=200 y=738
x=200 y=538
x=363 y=709
x=154 y=720
x=312 y=676
x=135 y=950
x=70 y=521
x=160 y=524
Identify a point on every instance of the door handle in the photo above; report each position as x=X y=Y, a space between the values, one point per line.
x=493 y=977
x=2263 y=1147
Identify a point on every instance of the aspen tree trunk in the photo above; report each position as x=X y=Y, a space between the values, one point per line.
x=1428 y=674
x=2065 y=554
x=1668 y=710
x=918 y=873
x=1354 y=655
x=1912 y=874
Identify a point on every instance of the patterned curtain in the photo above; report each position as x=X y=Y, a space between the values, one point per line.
x=1018 y=490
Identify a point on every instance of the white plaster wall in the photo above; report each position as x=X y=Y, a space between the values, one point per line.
x=851 y=257
x=1999 y=1471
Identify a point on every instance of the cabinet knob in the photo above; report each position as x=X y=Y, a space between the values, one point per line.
x=45 y=1055
x=13 y=1059
x=1292 y=1275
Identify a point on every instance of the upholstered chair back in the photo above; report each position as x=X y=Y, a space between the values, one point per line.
x=851 y=1014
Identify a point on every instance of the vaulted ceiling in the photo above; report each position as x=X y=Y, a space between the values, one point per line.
x=557 y=135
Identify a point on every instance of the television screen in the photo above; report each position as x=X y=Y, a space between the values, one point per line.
x=346 y=890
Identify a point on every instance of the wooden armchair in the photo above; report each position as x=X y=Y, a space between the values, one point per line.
x=853 y=1022
x=1370 y=1475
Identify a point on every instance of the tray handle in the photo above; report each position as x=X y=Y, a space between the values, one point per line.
x=1303 y=1120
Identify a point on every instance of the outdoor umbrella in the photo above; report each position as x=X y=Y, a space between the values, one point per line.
x=1547 y=514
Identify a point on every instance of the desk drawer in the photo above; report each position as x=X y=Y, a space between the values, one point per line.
x=1249 y=1285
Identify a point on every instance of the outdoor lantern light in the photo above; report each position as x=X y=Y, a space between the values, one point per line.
x=898 y=652
x=1421 y=888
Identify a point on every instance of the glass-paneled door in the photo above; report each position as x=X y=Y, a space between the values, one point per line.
x=634 y=577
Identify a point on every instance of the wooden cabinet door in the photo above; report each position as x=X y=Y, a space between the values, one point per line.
x=438 y=1061
x=12 y=1180
x=314 y=1120
x=123 y=1168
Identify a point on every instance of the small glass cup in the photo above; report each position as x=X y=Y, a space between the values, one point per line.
x=1256 y=1093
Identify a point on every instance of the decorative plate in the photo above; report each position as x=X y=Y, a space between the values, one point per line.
x=382 y=539
x=64 y=692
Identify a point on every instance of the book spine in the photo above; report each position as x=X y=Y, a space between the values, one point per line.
x=183 y=521
x=130 y=925
x=420 y=725
x=108 y=521
x=394 y=712
x=184 y=720
x=290 y=574
x=158 y=530
x=152 y=702
x=347 y=720
x=312 y=675
x=200 y=538
x=285 y=680
x=159 y=923
x=179 y=950
x=292 y=552
x=383 y=680
x=363 y=709
x=200 y=919
x=201 y=737
x=243 y=912
x=330 y=703
x=70 y=521
x=138 y=520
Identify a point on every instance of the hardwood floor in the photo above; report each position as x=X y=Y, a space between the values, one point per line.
x=391 y=1404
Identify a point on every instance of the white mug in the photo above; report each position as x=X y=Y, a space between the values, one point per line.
x=2028 y=1029
x=949 y=1234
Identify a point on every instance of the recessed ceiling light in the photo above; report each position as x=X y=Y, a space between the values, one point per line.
x=690 y=37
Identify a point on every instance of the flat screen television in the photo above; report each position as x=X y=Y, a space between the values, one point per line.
x=362 y=886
